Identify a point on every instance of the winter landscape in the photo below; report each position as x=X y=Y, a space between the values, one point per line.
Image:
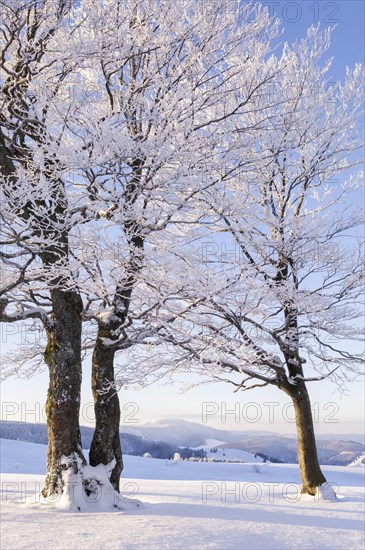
x=182 y=274
x=185 y=504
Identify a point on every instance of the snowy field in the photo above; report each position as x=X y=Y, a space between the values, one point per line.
x=185 y=505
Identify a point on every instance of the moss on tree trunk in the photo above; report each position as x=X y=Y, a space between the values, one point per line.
x=105 y=446
x=63 y=357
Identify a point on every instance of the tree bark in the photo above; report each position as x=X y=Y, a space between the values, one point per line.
x=310 y=470
x=105 y=446
x=63 y=357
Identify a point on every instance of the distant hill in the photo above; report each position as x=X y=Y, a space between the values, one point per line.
x=181 y=432
x=131 y=444
x=163 y=438
x=360 y=438
x=332 y=452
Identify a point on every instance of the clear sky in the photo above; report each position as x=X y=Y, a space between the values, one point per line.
x=265 y=409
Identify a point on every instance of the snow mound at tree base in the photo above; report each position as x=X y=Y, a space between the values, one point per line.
x=326 y=493
x=87 y=488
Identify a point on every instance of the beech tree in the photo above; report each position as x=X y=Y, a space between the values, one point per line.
x=167 y=89
x=275 y=295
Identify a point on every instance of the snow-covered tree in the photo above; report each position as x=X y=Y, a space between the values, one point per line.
x=275 y=295
x=169 y=89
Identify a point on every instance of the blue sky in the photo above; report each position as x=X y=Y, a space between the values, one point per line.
x=257 y=409
x=346 y=15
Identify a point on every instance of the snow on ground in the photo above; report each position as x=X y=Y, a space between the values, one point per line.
x=186 y=505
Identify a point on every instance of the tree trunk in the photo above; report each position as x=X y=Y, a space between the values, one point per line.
x=63 y=357
x=310 y=470
x=105 y=446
